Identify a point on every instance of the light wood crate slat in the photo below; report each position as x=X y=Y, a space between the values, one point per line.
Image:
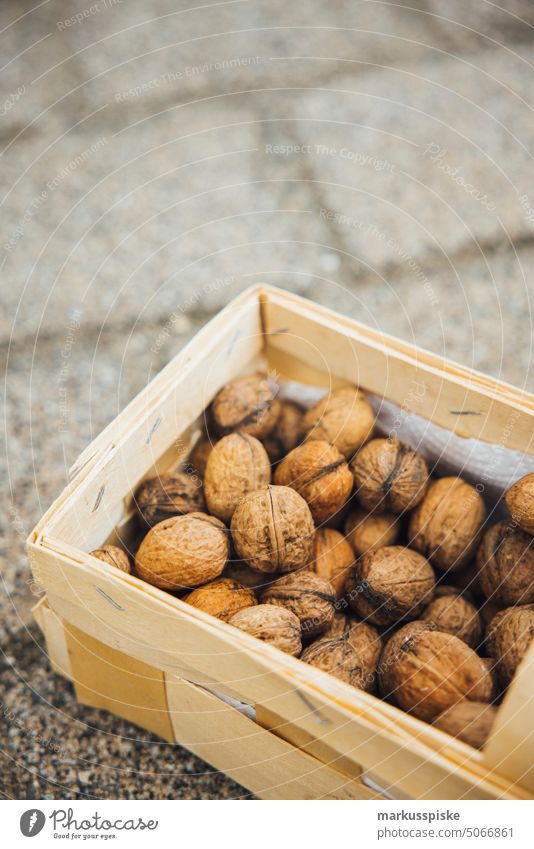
x=260 y=761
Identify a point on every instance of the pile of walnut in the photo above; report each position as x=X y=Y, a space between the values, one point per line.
x=303 y=530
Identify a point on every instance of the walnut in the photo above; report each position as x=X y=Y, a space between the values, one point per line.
x=237 y=465
x=508 y=637
x=505 y=561
x=320 y=474
x=221 y=598
x=169 y=494
x=200 y=453
x=471 y=722
x=332 y=558
x=426 y=671
x=183 y=552
x=369 y=531
x=308 y=596
x=113 y=555
x=452 y=613
x=390 y=585
x=389 y=477
x=344 y=418
x=286 y=433
x=241 y=572
x=364 y=639
x=452 y=589
x=337 y=657
x=247 y=404
x=445 y=526
x=520 y=502
x=272 y=530
x=274 y=625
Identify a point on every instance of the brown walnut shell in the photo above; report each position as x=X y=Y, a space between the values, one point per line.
x=246 y=404
x=169 y=494
x=241 y=572
x=221 y=598
x=318 y=472
x=390 y=585
x=426 y=671
x=520 y=502
x=272 y=530
x=470 y=722
x=113 y=555
x=343 y=418
x=389 y=477
x=183 y=552
x=505 y=561
x=274 y=625
x=308 y=596
x=237 y=465
x=508 y=637
x=454 y=614
x=337 y=657
x=364 y=639
x=287 y=432
x=332 y=558
x=445 y=526
x=369 y=531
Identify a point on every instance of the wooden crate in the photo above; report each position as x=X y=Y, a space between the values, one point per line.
x=144 y=655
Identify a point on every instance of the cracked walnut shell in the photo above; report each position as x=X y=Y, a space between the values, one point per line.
x=332 y=557
x=238 y=464
x=369 y=531
x=222 y=598
x=318 y=472
x=390 y=585
x=426 y=671
x=508 y=638
x=183 y=552
x=505 y=561
x=169 y=494
x=272 y=530
x=520 y=502
x=246 y=404
x=445 y=526
x=113 y=555
x=389 y=476
x=308 y=596
x=343 y=418
x=274 y=625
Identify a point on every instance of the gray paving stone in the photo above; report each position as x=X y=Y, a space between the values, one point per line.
x=426 y=163
x=133 y=225
x=98 y=53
